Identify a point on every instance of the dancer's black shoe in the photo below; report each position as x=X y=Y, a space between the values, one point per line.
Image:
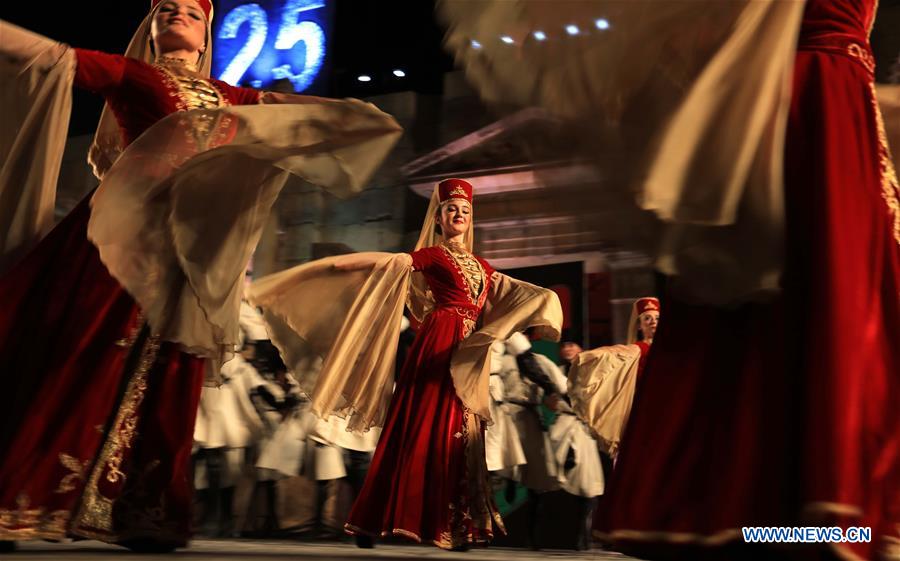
x=365 y=542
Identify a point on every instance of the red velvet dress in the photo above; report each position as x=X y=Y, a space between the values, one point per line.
x=645 y=352
x=428 y=480
x=97 y=416
x=787 y=412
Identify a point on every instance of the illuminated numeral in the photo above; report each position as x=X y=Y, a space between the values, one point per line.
x=310 y=33
x=256 y=17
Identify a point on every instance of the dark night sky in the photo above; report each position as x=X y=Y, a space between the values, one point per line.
x=369 y=36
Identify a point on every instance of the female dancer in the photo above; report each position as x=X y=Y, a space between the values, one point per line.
x=772 y=173
x=428 y=480
x=108 y=320
x=602 y=381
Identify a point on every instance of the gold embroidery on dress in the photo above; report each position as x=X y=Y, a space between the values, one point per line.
x=26 y=523
x=405 y=533
x=890 y=187
x=76 y=467
x=193 y=92
x=470 y=270
x=175 y=62
x=473 y=512
x=96 y=510
x=457 y=533
x=474 y=278
x=394 y=532
x=128 y=341
x=862 y=55
x=172 y=85
x=462 y=528
x=469 y=319
x=125 y=427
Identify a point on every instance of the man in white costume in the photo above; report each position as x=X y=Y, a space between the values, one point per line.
x=526 y=387
x=502 y=445
x=228 y=431
x=323 y=453
x=579 y=469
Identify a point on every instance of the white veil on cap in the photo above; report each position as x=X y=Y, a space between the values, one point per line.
x=107 y=144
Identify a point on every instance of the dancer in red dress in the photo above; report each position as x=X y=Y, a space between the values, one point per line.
x=773 y=177
x=100 y=395
x=642 y=326
x=428 y=480
x=803 y=392
x=602 y=381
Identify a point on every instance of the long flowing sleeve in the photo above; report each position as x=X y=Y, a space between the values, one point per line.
x=36 y=76
x=601 y=390
x=512 y=306
x=336 y=322
x=683 y=104
x=176 y=221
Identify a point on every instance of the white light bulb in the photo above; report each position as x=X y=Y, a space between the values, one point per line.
x=475 y=44
x=572 y=29
x=540 y=35
x=602 y=24
x=364 y=78
x=507 y=39
x=399 y=73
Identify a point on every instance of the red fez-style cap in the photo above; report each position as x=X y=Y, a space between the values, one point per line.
x=455 y=189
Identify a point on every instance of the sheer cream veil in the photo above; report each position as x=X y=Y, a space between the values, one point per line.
x=632 y=326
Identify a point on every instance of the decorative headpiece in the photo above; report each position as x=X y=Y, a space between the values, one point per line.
x=205 y=5
x=647 y=304
x=455 y=189
x=640 y=306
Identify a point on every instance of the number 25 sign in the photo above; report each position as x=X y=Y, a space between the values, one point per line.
x=258 y=43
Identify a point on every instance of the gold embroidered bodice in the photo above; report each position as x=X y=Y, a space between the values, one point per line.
x=469 y=267
x=193 y=90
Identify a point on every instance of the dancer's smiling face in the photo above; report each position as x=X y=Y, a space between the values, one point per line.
x=179 y=25
x=455 y=218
